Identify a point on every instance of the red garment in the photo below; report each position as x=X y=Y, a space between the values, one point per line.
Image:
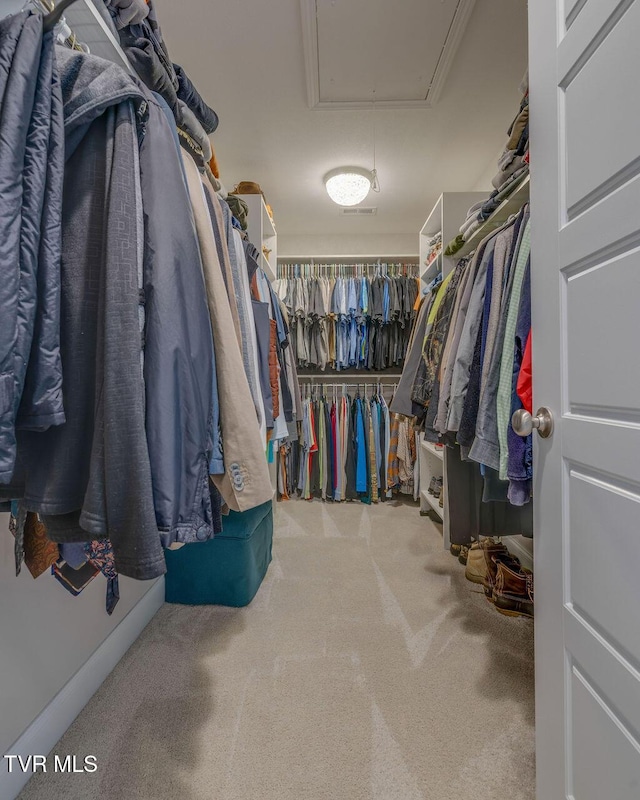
x=524 y=386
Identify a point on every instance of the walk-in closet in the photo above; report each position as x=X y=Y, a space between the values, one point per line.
x=319 y=400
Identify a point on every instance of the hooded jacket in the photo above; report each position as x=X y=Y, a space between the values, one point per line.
x=91 y=478
x=142 y=40
x=31 y=150
x=147 y=453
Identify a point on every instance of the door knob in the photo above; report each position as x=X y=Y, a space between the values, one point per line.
x=523 y=423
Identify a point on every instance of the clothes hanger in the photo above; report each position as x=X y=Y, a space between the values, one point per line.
x=53 y=17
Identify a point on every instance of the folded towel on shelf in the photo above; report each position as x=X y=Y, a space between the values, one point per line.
x=470 y=224
x=472 y=228
x=473 y=211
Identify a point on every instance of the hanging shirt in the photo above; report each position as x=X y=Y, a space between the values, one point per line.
x=361 y=450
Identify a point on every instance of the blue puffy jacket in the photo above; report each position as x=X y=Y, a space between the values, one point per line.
x=31 y=176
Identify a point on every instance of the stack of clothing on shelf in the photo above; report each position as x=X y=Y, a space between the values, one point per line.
x=350 y=448
x=435 y=248
x=467 y=371
x=155 y=372
x=350 y=322
x=513 y=168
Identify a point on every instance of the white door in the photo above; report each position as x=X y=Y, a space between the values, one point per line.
x=585 y=135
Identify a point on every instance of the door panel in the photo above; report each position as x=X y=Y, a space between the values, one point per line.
x=602 y=232
x=595 y=112
x=572 y=9
x=603 y=360
x=585 y=190
x=599 y=559
x=606 y=761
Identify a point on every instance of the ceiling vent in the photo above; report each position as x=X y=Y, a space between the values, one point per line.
x=396 y=54
x=359 y=212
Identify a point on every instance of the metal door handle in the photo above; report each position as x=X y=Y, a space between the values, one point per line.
x=523 y=423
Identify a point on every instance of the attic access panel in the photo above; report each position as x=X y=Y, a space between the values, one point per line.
x=397 y=52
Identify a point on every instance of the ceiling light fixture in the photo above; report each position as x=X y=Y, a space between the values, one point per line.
x=348 y=186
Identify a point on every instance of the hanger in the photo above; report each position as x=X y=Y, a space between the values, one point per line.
x=53 y=17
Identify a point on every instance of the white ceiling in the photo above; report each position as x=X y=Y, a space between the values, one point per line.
x=246 y=58
x=387 y=52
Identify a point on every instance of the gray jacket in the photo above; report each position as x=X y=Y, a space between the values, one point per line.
x=486 y=446
x=91 y=478
x=31 y=147
x=466 y=345
x=179 y=362
x=401 y=402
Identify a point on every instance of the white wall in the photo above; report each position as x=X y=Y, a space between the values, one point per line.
x=46 y=636
x=484 y=182
x=380 y=244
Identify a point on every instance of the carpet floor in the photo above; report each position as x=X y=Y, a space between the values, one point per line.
x=366 y=668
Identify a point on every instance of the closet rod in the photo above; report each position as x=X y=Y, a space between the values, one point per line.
x=358 y=383
x=371 y=376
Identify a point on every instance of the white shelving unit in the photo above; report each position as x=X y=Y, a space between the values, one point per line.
x=447 y=216
x=438 y=452
x=262 y=232
x=430 y=501
x=431 y=465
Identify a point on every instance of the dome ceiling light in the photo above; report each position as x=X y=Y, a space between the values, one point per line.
x=348 y=186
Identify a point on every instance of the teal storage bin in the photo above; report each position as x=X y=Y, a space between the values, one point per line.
x=226 y=570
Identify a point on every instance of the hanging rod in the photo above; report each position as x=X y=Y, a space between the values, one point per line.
x=372 y=384
x=371 y=376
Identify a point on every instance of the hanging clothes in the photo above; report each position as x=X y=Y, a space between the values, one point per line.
x=112 y=420
x=345 y=322
x=348 y=449
x=463 y=371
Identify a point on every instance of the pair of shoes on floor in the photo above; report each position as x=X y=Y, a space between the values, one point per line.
x=512 y=593
x=479 y=560
x=435 y=487
x=506 y=584
x=459 y=551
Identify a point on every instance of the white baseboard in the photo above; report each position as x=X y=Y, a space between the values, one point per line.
x=43 y=733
